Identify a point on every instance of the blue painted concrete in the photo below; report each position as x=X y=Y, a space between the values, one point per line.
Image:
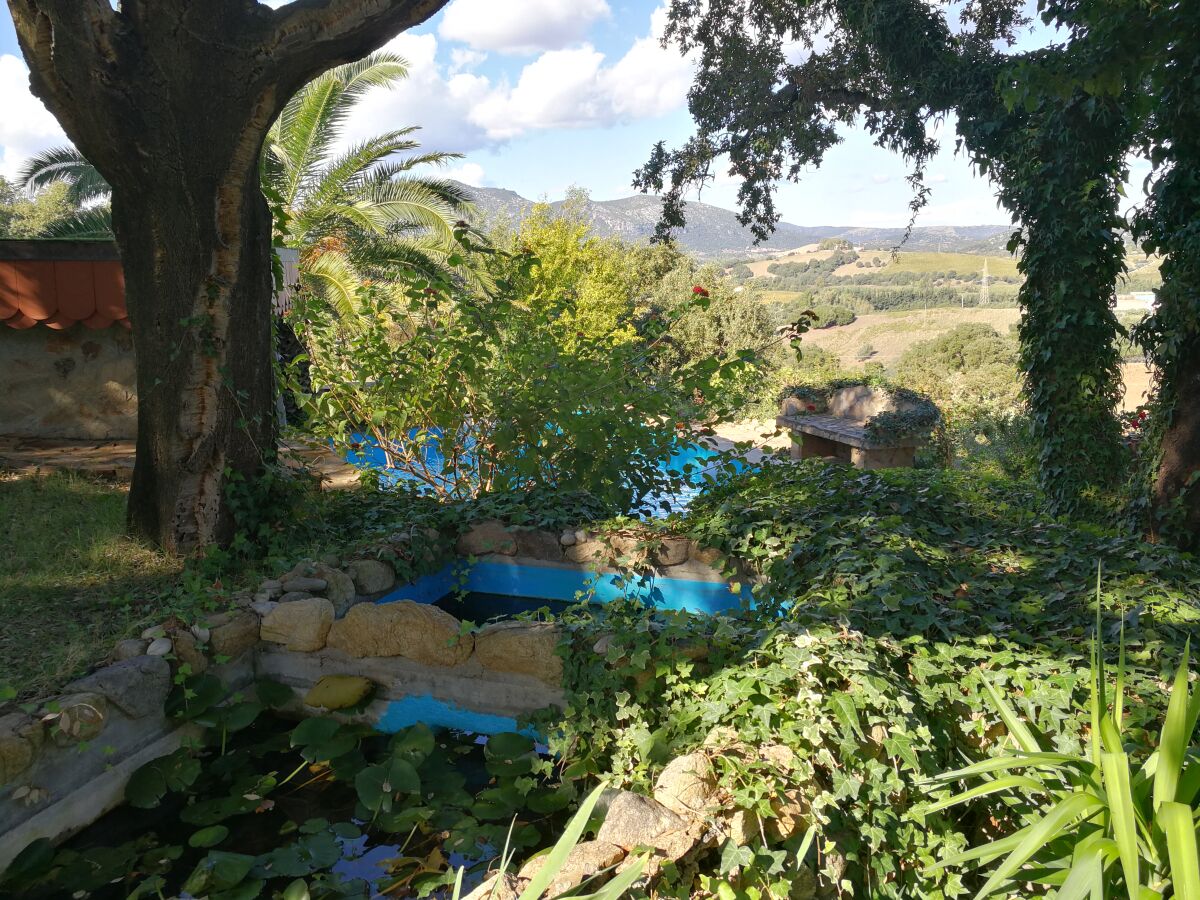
x=440 y=714
x=549 y=583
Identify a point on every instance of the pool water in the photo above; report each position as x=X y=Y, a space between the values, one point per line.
x=479 y=606
x=367 y=454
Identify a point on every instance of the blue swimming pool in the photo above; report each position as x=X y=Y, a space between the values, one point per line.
x=692 y=463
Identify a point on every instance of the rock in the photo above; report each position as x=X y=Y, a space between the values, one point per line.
x=485 y=537
x=339 y=588
x=585 y=860
x=137 y=687
x=628 y=547
x=235 y=635
x=567 y=539
x=129 y=648
x=332 y=560
x=743 y=826
x=159 y=647
x=79 y=717
x=272 y=587
x=779 y=755
x=262 y=608
x=189 y=653
x=416 y=631
x=311 y=586
x=300 y=625
x=673 y=550
x=587 y=552
x=581 y=535
x=792 y=812
x=706 y=555
x=688 y=785
x=201 y=633
x=338 y=691
x=21 y=738
x=523 y=648
x=154 y=632
x=500 y=886
x=372 y=576
x=293 y=596
x=637 y=821
x=538 y=545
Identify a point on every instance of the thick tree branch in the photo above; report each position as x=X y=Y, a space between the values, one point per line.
x=309 y=36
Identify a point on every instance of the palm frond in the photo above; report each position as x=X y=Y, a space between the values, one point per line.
x=338 y=282
x=92 y=224
x=65 y=164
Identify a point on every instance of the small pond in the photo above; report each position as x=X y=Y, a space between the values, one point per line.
x=347 y=811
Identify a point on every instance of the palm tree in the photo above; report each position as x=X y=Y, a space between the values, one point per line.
x=352 y=215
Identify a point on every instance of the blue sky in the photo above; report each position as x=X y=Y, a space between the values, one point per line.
x=543 y=94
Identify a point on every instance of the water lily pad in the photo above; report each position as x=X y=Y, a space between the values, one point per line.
x=150 y=783
x=208 y=837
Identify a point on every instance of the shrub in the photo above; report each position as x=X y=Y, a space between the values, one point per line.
x=833 y=316
x=865 y=352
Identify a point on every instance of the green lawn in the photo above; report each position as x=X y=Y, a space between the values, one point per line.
x=957 y=262
x=71 y=582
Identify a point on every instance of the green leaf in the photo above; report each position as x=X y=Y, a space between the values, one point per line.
x=1180 y=829
x=208 y=837
x=1121 y=810
x=1176 y=732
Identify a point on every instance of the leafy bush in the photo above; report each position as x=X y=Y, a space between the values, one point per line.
x=833 y=316
x=886 y=604
x=468 y=393
x=1120 y=816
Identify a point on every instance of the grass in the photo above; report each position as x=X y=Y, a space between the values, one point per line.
x=71 y=582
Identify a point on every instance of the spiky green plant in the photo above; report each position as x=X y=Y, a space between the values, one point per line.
x=1096 y=825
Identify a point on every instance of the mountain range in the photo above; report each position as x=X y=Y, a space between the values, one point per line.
x=715 y=233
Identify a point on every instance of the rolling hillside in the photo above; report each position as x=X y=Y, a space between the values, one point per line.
x=713 y=232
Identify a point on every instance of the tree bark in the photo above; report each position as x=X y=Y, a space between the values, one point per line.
x=171 y=101
x=1177 y=484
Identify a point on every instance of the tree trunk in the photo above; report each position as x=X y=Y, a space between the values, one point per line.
x=199 y=294
x=1177 y=485
x=171 y=101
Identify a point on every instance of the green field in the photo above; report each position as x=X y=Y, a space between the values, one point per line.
x=962 y=263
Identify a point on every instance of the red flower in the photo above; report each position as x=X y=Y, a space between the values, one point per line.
x=699 y=291
x=812 y=407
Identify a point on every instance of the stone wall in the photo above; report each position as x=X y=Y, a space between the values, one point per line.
x=317 y=630
x=72 y=384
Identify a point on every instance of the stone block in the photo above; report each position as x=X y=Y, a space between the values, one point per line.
x=138 y=687
x=301 y=625
x=523 y=648
x=372 y=576
x=490 y=536
x=416 y=631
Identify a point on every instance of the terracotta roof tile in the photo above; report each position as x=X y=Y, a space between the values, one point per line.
x=58 y=293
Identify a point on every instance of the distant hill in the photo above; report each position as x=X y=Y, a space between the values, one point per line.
x=713 y=232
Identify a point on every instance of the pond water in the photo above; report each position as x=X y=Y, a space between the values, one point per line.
x=479 y=606
x=390 y=815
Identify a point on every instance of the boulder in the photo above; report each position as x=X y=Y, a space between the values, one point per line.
x=637 y=821
x=523 y=648
x=589 y=551
x=792 y=814
x=129 y=648
x=234 y=634
x=500 y=886
x=567 y=539
x=137 y=687
x=628 y=547
x=80 y=717
x=21 y=737
x=262 y=607
x=160 y=646
x=310 y=585
x=372 y=576
x=339 y=588
x=416 y=631
x=585 y=860
x=188 y=651
x=272 y=588
x=688 y=785
x=672 y=551
x=706 y=555
x=485 y=537
x=154 y=632
x=538 y=545
x=300 y=625
x=338 y=691
x=293 y=596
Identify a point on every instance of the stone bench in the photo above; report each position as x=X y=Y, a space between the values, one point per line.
x=840 y=431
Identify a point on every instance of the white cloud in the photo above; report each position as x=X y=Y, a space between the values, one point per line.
x=560 y=89
x=468 y=173
x=462 y=59
x=26 y=127
x=520 y=26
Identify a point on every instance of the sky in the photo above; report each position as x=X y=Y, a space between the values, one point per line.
x=541 y=95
